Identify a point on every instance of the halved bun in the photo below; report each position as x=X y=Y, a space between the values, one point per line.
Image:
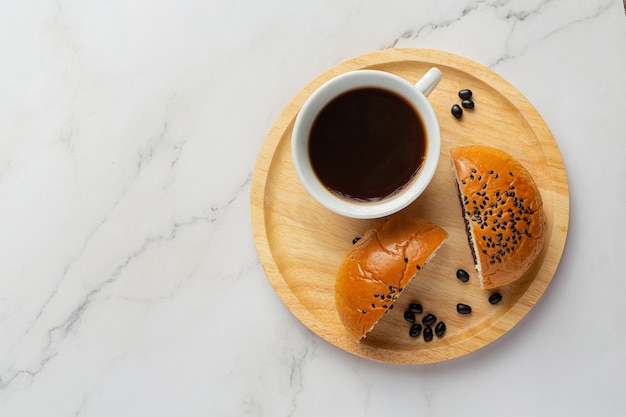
x=503 y=211
x=378 y=268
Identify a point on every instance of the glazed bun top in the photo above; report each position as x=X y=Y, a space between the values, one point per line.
x=503 y=211
x=379 y=266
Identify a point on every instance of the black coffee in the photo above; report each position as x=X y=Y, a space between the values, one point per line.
x=367 y=144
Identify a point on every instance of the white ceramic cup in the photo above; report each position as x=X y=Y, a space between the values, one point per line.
x=415 y=95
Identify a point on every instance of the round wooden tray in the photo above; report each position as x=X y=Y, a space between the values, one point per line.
x=301 y=244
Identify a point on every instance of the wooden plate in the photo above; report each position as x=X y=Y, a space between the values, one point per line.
x=301 y=244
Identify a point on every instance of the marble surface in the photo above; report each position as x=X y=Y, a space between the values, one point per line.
x=129 y=279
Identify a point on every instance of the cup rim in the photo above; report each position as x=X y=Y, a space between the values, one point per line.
x=325 y=93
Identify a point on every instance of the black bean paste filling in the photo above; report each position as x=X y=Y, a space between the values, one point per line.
x=467 y=225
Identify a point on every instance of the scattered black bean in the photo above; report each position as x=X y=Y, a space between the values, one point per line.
x=356 y=239
x=462 y=275
x=416 y=308
x=457 y=111
x=409 y=316
x=429 y=319
x=495 y=298
x=440 y=328
x=468 y=104
x=463 y=308
x=415 y=330
x=428 y=334
x=465 y=93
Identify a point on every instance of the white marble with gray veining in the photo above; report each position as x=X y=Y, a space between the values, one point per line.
x=129 y=281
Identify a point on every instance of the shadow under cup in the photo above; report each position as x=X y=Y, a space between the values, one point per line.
x=366 y=144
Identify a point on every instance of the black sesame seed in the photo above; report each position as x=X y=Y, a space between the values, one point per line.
x=406 y=260
x=468 y=104
x=409 y=316
x=462 y=275
x=463 y=308
x=440 y=328
x=465 y=93
x=415 y=330
x=373 y=305
x=495 y=298
x=356 y=239
x=429 y=319
x=428 y=334
x=457 y=111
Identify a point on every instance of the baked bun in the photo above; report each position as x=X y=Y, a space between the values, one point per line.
x=378 y=268
x=503 y=213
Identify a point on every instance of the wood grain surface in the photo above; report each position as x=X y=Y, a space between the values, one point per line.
x=301 y=244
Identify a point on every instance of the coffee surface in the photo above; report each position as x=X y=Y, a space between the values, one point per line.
x=367 y=144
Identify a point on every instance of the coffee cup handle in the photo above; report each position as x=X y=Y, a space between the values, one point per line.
x=429 y=81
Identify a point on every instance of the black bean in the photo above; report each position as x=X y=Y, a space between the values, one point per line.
x=463 y=308
x=462 y=275
x=428 y=334
x=457 y=111
x=429 y=319
x=356 y=239
x=415 y=330
x=416 y=308
x=409 y=316
x=468 y=104
x=495 y=298
x=465 y=93
x=440 y=328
